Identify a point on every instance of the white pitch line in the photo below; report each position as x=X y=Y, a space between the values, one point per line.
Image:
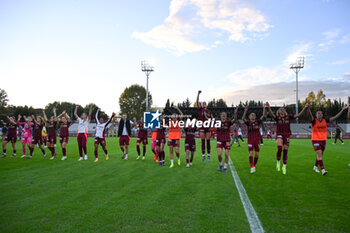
x=253 y=219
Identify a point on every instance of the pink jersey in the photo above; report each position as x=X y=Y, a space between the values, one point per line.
x=27 y=130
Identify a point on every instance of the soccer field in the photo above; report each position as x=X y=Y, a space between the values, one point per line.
x=40 y=195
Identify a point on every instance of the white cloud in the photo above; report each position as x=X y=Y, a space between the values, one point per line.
x=326 y=44
x=284 y=92
x=262 y=83
x=277 y=83
x=190 y=18
x=329 y=37
x=297 y=51
x=331 y=34
x=345 y=39
x=341 y=62
x=166 y=37
x=258 y=75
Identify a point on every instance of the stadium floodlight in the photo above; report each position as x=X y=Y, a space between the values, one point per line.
x=147 y=68
x=297 y=66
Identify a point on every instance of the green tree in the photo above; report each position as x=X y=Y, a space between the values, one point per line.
x=320 y=102
x=23 y=110
x=167 y=104
x=69 y=107
x=60 y=107
x=94 y=110
x=3 y=99
x=220 y=103
x=317 y=102
x=133 y=101
x=3 y=104
x=212 y=103
x=185 y=104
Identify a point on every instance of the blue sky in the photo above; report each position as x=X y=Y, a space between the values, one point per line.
x=89 y=51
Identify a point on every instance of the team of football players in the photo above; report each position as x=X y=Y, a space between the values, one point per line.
x=33 y=126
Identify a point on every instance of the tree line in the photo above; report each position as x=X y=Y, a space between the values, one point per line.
x=316 y=101
x=219 y=103
x=11 y=110
x=133 y=103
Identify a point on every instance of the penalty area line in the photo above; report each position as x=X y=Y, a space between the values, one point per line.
x=252 y=216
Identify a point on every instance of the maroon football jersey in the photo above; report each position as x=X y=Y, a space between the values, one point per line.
x=161 y=132
x=253 y=131
x=223 y=133
x=51 y=128
x=37 y=130
x=142 y=132
x=283 y=124
x=11 y=130
x=64 y=129
x=203 y=114
x=190 y=133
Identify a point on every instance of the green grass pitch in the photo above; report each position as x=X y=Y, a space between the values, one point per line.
x=40 y=195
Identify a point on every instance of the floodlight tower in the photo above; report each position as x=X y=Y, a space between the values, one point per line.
x=297 y=66
x=147 y=68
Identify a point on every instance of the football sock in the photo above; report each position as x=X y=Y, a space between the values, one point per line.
x=320 y=162
x=279 y=152
x=138 y=149
x=105 y=150
x=203 y=146
x=285 y=156
x=255 y=160
x=31 y=151
x=208 y=146
x=251 y=161
x=96 y=154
